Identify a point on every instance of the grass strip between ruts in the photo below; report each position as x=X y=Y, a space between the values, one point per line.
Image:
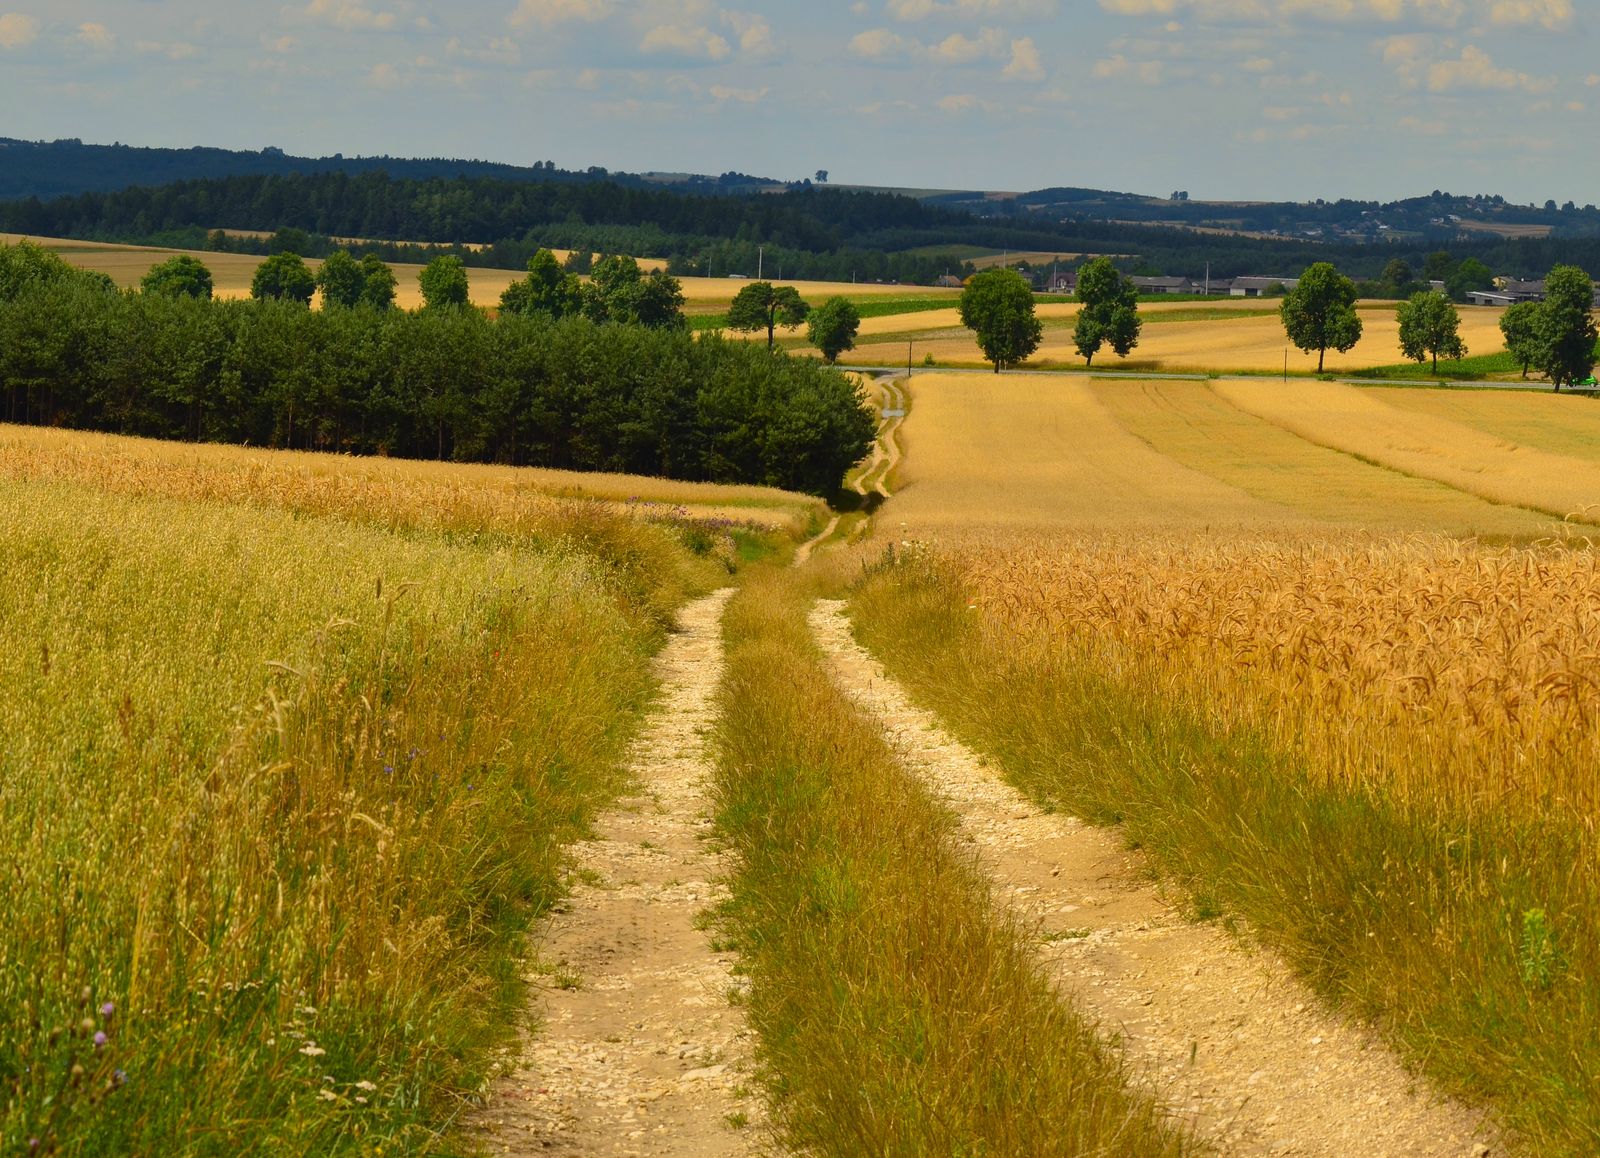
x=898 y=1012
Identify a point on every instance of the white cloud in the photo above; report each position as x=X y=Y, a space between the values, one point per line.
x=753 y=31
x=1025 y=63
x=385 y=75
x=281 y=44
x=1476 y=72
x=17 y=30
x=347 y=14
x=96 y=36
x=499 y=50
x=1447 y=12
x=959 y=49
x=1552 y=14
x=1149 y=72
x=877 y=44
x=969 y=9
x=963 y=102
x=548 y=13
x=698 y=43
x=722 y=93
x=1592 y=80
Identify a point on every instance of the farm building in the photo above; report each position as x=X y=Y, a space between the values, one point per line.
x=1509 y=291
x=1163 y=285
x=1255 y=287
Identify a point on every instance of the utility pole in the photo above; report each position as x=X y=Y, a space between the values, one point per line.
x=908 y=357
x=761 y=254
x=1208 y=279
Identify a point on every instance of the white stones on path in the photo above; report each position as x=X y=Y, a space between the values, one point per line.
x=1230 y=1041
x=638 y=1050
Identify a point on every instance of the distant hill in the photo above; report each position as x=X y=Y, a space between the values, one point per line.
x=49 y=169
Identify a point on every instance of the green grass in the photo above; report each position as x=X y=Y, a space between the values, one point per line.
x=282 y=794
x=1464 y=369
x=1470 y=940
x=897 y=1012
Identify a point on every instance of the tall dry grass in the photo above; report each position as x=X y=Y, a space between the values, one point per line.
x=1379 y=755
x=282 y=790
x=899 y=1013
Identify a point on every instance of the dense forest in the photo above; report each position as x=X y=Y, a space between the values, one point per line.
x=444 y=383
x=799 y=232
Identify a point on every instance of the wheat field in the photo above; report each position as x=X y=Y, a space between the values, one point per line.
x=1252 y=342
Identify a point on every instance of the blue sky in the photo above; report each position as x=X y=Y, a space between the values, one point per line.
x=1224 y=98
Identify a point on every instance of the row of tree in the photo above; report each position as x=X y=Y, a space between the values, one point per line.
x=441 y=382
x=1556 y=336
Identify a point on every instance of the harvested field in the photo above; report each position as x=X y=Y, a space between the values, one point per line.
x=1561 y=424
x=1359 y=421
x=1193 y=424
x=1020 y=450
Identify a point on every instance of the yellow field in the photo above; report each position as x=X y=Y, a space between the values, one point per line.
x=1359 y=421
x=1247 y=343
x=506 y=499
x=1192 y=423
x=1038 y=451
x=1027 y=451
x=1544 y=421
x=719 y=291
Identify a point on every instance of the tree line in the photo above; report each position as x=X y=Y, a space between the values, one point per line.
x=1556 y=336
x=443 y=382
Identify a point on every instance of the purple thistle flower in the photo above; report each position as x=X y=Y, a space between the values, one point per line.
x=100 y=1039
x=107 y=1009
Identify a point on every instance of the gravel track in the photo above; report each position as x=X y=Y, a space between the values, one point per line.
x=638 y=1050
x=1228 y=1038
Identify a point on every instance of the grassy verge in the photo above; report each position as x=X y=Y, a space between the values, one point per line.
x=1468 y=933
x=282 y=792
x=897 y=1013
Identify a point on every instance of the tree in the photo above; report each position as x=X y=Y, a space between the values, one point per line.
x=822 y=176
x=178 y=276
x=1110 y=311
x=546 y=290
x=1438 y=266
x=832 y=328
x=997 y=306
x=619 y=291
x=1429 y=324
x=764 y=306
x=1470 y=275
x=1564 y=326
x=341 y=280
x=1519 y=324
x=1397 y=278
x=1320 y=312
x=444 y=282
x=378 y=282
x=286 y=276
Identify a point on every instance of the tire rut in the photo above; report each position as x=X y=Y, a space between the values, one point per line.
x=638 y=1050
x=1228 y=1038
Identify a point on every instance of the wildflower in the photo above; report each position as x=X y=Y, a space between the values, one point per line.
x=107 y=1009
x=361 y=1100
x=120 y=1077
x=312 y=1049
x=366 y=1085
x=100 y=1039
x=327 y=1095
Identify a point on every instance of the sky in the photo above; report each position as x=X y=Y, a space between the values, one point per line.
x=1226 y=99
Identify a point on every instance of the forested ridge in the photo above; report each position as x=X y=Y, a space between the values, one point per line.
x=802 y=232
x=446 y=383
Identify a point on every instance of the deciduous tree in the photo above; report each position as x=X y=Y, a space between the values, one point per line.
x=341 y=280
x=1430 y=325
x=444 y=282
x=378 y=282
x=1519 y=324
x=546 y=290
x=178 y=276
x=997 y=306
x=832 y=327
x=764 y=306
x=1320 y=313
x=1564 y=326
x=286 y=276
x=1110 y=311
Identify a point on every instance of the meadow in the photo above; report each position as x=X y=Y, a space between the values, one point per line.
x=1324 y=653
x=317 y=731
